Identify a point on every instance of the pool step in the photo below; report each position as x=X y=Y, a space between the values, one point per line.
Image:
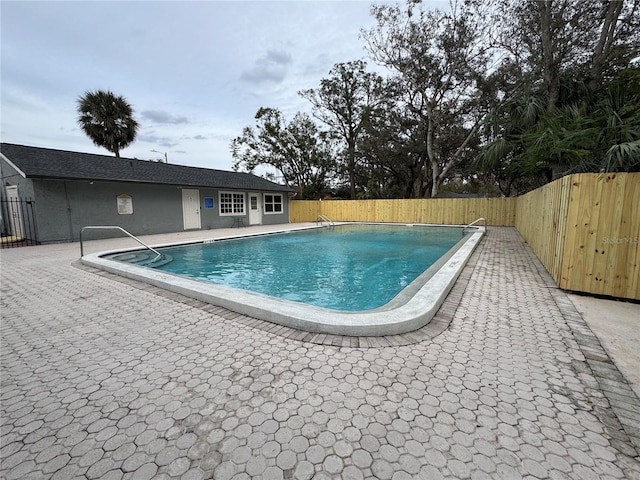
x=142 y=258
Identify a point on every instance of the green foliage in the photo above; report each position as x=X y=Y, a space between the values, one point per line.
x=297 y=149
x=592 y=134
x=565 y=91
x=439 y=60
x=502 y=91
x=344 y=102
x=107 y=119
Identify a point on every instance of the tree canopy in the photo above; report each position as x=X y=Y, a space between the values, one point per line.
x=344 y=102
x=107 y=119
x=496 y=95
x=298 y=150
x=567 y=92
x=439 y=60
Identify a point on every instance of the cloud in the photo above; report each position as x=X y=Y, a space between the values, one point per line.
x=320 y=65
x=270 y=68
x=159 y=116
x=278 y=57
x=181 y=88
x=157 y=140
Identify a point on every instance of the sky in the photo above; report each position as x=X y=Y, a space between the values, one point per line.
x=195 y=73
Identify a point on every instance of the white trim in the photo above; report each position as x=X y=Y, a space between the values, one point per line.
x=264 y=203
x=232 y=214
x=22 y=174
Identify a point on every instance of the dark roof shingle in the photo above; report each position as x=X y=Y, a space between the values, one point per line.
x=36 y=162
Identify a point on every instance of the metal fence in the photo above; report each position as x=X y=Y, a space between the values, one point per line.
x=17 y=223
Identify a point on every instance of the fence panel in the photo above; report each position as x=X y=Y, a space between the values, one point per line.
x=604 y=231
x=304 y=211
x=17 y=223
x=541 y=220
x=448 y=211
x=585 y=229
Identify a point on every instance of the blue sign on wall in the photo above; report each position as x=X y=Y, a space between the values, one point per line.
x=208 y=202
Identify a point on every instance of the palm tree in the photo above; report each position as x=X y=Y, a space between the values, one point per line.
x=107 y=119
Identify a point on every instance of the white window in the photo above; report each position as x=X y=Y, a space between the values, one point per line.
x=272 y=204
x=231 y=203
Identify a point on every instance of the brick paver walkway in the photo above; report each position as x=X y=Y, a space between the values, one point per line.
x=104 y=380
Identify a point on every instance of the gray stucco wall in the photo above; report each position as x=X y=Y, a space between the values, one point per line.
x=64 y=207
x=211 y=218
x=11 y=177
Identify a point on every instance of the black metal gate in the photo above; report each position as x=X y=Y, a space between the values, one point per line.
x=17 y=223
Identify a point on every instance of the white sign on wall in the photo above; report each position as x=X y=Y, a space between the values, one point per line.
x=125 y=204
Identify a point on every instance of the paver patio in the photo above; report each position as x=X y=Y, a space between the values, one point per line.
x=102 y=379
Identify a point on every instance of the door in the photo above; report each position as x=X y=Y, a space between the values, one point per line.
x=15 y=214
x=255 y=214
x=191 y=208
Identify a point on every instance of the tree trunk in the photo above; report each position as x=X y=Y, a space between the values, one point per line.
x=434 y=179
x=433 y=161
x=549 y=67
x=351 y=153
x=603 y=48
x=439 y=175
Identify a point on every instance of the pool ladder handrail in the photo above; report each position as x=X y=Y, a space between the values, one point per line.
x=115 y=227
x=323 y=218
x=484 y=220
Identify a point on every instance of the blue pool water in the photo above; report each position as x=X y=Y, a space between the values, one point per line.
x=350 y=267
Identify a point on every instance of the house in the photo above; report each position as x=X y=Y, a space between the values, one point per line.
x=70 y=190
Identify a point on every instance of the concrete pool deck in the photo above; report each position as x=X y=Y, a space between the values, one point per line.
x=102 y=378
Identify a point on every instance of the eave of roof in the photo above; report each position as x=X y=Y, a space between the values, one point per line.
x=44 y=163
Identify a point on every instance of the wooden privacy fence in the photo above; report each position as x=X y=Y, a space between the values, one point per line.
x=585 y=228
x=446 y=211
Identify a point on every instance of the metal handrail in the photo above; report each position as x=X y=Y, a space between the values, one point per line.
x=324 y=218
x=474 y=222
x=115 y=227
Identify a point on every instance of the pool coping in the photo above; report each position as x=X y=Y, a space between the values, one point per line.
x=401 y=315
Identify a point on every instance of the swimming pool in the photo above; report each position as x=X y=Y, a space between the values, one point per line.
x=401 y=278
x=349 y=267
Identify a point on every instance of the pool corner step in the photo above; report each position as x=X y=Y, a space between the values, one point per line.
x=142 y=258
